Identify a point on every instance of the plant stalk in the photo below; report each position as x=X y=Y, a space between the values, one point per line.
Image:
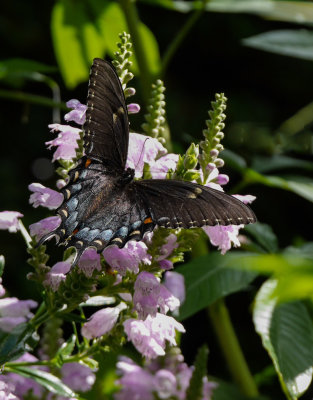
x=231 y=349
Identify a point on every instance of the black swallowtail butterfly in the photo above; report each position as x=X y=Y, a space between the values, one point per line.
x=103 y=204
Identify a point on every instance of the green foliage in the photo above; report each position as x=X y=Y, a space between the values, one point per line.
x=209 y=278
x=294 y=43
x=194 y=391
x=287 y=334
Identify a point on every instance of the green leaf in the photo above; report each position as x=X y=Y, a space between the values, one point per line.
x=233 y=160
x=111 y=24
x=228 y=391
x=151 y=49
x=97 y=301
x=194 y=391
x=264 y=236
x=67 y=348
x=287 y=334
x=291 y=11
x=294 y=43
x=297 y=184
x=77 y=39
x=22 y=338
x=209 y=278
x=279 y=162
x=49 y=381
x=15 y=70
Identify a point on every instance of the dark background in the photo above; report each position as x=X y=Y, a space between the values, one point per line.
x=263 y=89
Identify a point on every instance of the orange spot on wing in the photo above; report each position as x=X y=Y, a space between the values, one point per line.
x=148 y=220
x=75 y=231
x=87 y=163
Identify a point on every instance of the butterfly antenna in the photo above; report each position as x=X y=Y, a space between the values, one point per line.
x=141 y=153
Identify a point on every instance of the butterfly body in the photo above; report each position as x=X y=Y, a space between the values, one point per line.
x=103 y=204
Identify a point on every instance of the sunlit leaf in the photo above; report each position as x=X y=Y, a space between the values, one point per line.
x=209 y=278
x=287 y=334
x=294 y=43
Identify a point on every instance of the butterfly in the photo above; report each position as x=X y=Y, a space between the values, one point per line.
x=103 y=205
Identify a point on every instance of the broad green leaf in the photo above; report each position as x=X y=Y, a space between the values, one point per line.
x=279 y=162
x=287 y=334
x=65 y=26
x=22 y=338
x=151 y=49
x=291 y=11
x=228 y=391
x=209 y=278
x=296 y=184
x=294 y=43
x=49 y=381
x=76 y=39
x=23 y=68
x=233 y=160
x=111 y=24
x=264 y=236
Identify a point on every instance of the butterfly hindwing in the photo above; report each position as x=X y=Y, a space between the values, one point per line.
x=99 y=210
x=106 y=127
x=180 y=204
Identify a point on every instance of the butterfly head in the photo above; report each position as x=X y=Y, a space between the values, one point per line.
x=127 y=176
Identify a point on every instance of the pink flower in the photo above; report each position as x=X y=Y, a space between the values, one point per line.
x=6 y=389
x=77 y=376
x=44 y=197
x=222 y=179
x=160 y=167
x=150 y=336
x=101 y=322
x=175 y=283
x=21 y=385
x=78 y=114
x=9 y=220
x=142 y=149
x=133 y=108
x=167 y=249
x=14 y=312
x=89 y=262
x=150 y=295
x=223 y=236
x=246 y=199
x=136 y=382
x=57 y=274
x=165 y=383
x=129 y=257
x=66 y=141
x=44 y=226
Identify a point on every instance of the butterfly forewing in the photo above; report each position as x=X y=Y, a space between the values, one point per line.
x=179 y=204
x=106 y=127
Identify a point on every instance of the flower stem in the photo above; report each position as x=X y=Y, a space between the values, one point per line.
x=180 y=36
x=133 y=22
x=25 y=235
x=231 y=348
